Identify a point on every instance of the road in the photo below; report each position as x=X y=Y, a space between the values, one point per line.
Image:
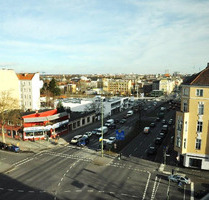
x=70 y=172
x=73 y=173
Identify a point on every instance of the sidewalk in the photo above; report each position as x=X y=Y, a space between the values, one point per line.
x=36 y=146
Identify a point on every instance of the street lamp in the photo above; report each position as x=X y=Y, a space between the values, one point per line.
x=102 y=151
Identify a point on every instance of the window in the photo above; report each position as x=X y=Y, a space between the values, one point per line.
x=200 y=109
x=199 y=92
x=88 y=119
x=185 y=140
x=179 y=125
x=178 y=142
x=198 y=144
x=199 y=126
x=185 y=107
x=185 y=91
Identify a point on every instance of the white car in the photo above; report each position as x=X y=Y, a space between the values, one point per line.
x=76 y=139
x=111 y=140
x=178 y=178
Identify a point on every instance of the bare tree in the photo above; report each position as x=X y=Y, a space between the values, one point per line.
x=7 y=103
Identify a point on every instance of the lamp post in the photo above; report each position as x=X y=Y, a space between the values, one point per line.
x=102 y=151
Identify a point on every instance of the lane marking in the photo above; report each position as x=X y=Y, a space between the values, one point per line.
x=11 y=190
x=153 y=190
x=20 y=190
x=192 y=191
x=145 y=191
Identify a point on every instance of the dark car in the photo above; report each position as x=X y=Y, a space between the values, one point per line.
x=152 y=150
x=83 y=141
x=152 y=124
x=161 y=135
x=158 y=140
x=164 y=128
x=157 y=119
x=13 y=148
x=116 y=121
x=164 y=121
x=112 y=126
x=122 y=121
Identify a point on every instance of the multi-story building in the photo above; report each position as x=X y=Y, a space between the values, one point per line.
x=192 y=122
x=10 y=83
x=120 y=86
x=30 y=85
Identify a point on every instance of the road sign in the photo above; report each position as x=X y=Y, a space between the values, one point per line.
x=120 y=135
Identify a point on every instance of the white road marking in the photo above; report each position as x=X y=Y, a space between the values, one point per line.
x=20 y=190
x=78 y=190
x=90 y=190
x=153 y=190
x=31 y=191
x=145 y=191
x=135 y=149
x=11 y=190
x=192 y=191
x=1 y=188
x=184 y=191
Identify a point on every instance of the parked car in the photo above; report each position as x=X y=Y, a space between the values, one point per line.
x=164 y=121
x=76 y=139
x=161 y=135
x=129 y=113
x=152 y=124
x=164 y=128
x=157 y=119
x=152 y=150
x=101 y=130
x=158 y=140
x=170 y=122
x=83 y=141
x=11 y=147
x=146 y=130
x=112 y=126
x=94 y=132
x=88 y=134
x=122 y=121
x=178 y=178
x=111 y=140
x=109 y=122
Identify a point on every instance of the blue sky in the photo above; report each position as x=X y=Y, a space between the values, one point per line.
x=104 y=36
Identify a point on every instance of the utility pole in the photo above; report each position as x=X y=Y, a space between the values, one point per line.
x=102 y=151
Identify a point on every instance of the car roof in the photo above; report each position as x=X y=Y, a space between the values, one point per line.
x=77 y=136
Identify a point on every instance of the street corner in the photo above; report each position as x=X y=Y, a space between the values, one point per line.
x=102 y=161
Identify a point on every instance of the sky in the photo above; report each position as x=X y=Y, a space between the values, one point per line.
x=104 y=36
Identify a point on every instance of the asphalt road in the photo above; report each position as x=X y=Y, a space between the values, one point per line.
x=73 y=173
x=70 y=172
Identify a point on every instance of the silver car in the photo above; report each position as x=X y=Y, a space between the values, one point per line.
x=178 y=178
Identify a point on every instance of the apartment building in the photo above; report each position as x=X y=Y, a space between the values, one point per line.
x=10 y=83
x=30 y=84
x=121 y=87
x=192 y=122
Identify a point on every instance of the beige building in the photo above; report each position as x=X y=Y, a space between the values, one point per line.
x=9 y=82
x=121 y=87
x=192 y=122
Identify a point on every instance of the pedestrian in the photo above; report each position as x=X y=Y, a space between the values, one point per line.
x=172 y=171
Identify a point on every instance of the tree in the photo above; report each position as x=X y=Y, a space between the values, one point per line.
x=53 y=88
x=7 y=103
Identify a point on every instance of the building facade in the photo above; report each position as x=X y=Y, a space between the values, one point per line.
x=192 y=122
x=10 y=83
x=30 y=86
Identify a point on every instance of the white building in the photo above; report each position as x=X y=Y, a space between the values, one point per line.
x=30 y=86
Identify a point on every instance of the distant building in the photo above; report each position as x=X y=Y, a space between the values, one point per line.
x=192 y=128
x=30 y=86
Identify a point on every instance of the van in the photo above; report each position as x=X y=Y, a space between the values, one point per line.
x=99 y=131
x=146 y=130
x=109 y=122
x=129 y=113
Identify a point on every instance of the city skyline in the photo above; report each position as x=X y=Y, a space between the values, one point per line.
x=121 y=36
